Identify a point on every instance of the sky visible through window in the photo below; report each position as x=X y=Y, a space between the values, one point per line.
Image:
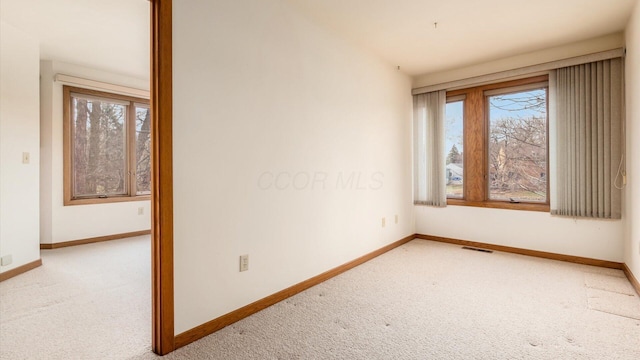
x=454 y=149
x=454 y=112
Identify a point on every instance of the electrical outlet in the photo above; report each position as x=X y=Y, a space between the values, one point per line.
x=244 y=262
x=384 y=221
x=396 y=218
x=26 y=157
x=140 y=211
x=6 y=260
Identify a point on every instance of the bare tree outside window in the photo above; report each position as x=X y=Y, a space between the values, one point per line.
x=143 y=150
x=518 y=146
x=99 y=166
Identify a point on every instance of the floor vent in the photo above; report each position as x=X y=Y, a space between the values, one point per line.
x=476 y=249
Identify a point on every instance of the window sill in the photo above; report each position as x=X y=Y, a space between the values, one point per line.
x=108 y=200
x=501 y=205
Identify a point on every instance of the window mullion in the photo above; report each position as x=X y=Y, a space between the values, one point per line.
x=131 y=148
x=474 y=143
x=68 y=140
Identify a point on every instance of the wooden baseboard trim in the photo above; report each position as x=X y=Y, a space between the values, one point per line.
x=632 y=279
x=20 y=270
x=214 y=325
x=520 y=251
x=93 y=240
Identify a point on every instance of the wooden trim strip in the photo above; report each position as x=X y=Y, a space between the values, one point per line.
x=20 y=270
x=632 y=279
x=107 y=200
x=212 y=326
x=93 y=240
x=527 y=252
x=493 y=204
x=162 y=297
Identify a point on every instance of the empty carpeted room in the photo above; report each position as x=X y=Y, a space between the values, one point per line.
x=336 y=179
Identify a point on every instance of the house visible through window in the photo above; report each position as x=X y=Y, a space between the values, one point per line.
x=454 y=145
x=496 y=145
x=107 y=147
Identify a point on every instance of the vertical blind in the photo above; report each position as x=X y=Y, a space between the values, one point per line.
x=589 y=118
x=429 y=158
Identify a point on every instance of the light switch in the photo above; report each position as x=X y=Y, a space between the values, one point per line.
x=244 y=262
x=26 y=157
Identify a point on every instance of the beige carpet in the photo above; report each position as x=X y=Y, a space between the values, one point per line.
x=85 y=302
x=424 y=300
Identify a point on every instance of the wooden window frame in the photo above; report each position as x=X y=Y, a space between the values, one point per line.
x=476 y=152
x=130 y=195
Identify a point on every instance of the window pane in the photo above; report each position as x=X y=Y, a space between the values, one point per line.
x=98 y=149
x=455 y=150
x=143 y=151
x=518 y=146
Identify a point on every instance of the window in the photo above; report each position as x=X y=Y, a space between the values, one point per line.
x=496 y=139
x=107 y=147
x=518 y=145
x=454 y=145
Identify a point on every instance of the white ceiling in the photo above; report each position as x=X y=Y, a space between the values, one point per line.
x=114 y=34
x=111 y=35
x=468 y=31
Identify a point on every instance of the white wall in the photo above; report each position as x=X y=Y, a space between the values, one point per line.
x=19 y=133
x=598 y=239
x=632 y=191
x=270 y=112
x=66 y=223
